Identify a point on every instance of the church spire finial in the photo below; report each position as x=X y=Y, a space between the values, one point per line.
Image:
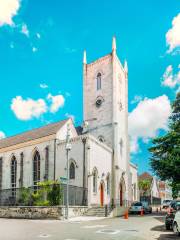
x=114 y=43
x=84 y=57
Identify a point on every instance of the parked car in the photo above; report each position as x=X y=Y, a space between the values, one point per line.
x=176 y=223
x=166 y=203
x=174 y=206
x=137 y=207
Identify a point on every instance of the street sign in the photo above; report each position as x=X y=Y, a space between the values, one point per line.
x=63 y=179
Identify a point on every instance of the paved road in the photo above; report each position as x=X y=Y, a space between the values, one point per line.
x=135 y=228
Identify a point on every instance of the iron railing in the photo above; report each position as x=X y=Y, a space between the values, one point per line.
x=12 y=197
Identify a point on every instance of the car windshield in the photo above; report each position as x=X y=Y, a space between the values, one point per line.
x=166 y=201
x=145 y=204
x=137 y=204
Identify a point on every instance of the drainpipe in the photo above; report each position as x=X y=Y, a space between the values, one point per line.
x=55 y=159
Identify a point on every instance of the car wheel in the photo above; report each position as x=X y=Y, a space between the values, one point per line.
x=175 y=229
x=168 y=227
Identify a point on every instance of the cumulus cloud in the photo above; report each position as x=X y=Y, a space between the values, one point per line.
x=136 y=99
x=34 y=49
x=43 y=85
x=26 y=109
x=171 y=79
x=147 y=118
x=173 y=35
x=2 y=135
x=8 y=9
x=38 y=35
x=25 y=30
x=56 y=102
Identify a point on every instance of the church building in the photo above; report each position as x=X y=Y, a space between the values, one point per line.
x=99 y=167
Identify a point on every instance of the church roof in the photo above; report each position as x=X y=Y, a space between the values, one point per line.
x=145 y=176
x=44 y=131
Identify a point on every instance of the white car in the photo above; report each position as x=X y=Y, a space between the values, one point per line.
x=176 y=223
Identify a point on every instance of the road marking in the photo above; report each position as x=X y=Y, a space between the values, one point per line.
x=108 y=231
x=70 y=239
x=94 y=226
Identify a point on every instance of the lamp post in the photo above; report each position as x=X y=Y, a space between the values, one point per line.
x=68 y=148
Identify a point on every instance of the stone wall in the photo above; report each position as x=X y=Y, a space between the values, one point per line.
x=31 y=212
x=41 y=212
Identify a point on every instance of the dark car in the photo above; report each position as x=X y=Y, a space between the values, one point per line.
x=166 y=204
x=173 y=207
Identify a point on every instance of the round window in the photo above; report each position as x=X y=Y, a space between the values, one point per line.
x=99 y=101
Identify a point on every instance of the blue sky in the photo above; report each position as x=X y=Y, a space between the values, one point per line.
x=41 y=46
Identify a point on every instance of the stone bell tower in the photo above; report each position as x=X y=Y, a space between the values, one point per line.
x=105 y=104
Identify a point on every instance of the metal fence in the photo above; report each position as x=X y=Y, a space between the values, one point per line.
x=151 y=200
x=12 y=197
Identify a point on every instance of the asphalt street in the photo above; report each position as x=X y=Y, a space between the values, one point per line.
x=135 y=228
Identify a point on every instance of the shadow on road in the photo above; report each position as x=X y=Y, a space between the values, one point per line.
x=165 y=235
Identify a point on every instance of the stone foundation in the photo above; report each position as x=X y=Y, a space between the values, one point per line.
x=40 y=212
x=31 y=212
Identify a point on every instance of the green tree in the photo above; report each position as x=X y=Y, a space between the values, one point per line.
x=144 y=187
x=165 y=160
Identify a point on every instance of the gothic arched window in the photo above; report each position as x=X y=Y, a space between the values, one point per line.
x=72 y=171
x=21 y=169
x=99 y=81
x=13 y=175
x=46 y=163
x=95 y=181
x=36 y=168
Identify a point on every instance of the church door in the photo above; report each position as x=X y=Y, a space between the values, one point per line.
x=102 y=195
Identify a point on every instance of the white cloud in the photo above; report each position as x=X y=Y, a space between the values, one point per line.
x=43 y=85
x=25 y=30
x=136 y=99
x=12 y=45
x=2 y=135
x=56 y=102
x=34 y=49
x=147 y=118
x=173 y=35
x=28 y=109
x=8 y=9
x=170 y=79
x=38 y=35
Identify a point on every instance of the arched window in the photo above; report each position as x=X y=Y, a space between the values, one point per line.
x=108 y=184
x=101 y=139
x=99 y=81
x=21 y=169
x=72 y=171
x=95 y=181
x=36 y=168
x=46 y=163
x=13 y=175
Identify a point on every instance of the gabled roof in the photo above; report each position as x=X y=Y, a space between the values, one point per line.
x=44 y=131
x=145 y=176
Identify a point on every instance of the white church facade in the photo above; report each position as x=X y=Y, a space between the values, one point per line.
x=99 y=159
